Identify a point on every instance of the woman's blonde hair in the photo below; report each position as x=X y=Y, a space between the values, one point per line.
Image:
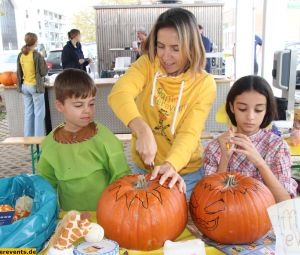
x=191 y=46
x=30 y=40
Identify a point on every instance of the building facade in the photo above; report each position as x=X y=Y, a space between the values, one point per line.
x=8 y=29
x=21 y=16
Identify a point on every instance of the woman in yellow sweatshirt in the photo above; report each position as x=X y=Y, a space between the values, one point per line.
x=31 y=70
x=165 y=98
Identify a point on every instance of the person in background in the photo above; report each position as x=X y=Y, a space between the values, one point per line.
x=72 y=55
x=165 y=98
x=208 y=48
x=257 y=42
x=141 y=36
x=31 y=70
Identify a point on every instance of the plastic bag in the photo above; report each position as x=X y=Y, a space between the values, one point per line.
x=34 y=230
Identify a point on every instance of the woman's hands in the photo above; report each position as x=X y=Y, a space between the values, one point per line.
x=168 y=171
x=145 y=143
x=146 y=147
x=82 y=61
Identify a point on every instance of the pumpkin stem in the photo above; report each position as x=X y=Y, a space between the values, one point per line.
x=230 y=181
x=141 y=182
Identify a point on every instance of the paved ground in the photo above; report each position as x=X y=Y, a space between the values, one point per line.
x=14 y=159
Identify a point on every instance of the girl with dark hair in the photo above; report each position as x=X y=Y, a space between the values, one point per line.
x=252 y=150
x=31 y=70
x=72 y=55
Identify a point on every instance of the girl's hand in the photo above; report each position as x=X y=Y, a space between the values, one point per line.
x=81 y=61
x=227 y=148
x=245 y=146
x=145 y=145
x=167 y=170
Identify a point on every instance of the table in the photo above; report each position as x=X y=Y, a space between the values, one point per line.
x=30 y=141
x=186 y=235
x=104 y=114
x=121 y=49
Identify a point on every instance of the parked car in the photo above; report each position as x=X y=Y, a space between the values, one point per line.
x=8 y=61
x=54 y=61
x=89 y=50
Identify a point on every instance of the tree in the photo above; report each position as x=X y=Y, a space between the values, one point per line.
x=85 y=21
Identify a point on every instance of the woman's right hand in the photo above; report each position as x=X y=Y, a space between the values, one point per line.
x=81 y=61
x=145 y=143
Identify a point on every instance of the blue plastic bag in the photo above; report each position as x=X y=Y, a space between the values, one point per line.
x=34 y=230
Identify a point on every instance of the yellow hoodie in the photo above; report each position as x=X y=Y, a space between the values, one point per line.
x=175 y=108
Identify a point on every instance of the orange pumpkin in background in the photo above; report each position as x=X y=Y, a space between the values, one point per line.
x=231 y=208
x=141 y=214
x=14 y=77
x=8 y=78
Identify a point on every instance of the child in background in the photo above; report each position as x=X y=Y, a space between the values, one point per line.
x=80 y=157
x=252 y=150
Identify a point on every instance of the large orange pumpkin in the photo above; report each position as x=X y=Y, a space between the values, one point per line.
x=141 y=214
x=8 y=78
x=230 y=208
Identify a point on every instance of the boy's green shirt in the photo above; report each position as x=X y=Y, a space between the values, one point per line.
x=81 y=171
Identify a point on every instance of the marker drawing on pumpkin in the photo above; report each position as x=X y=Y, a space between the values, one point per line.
x=221 y=200
x=211 y=210
x=144 y=210
x=142 y=195
x=215 y=207
x=233 y=189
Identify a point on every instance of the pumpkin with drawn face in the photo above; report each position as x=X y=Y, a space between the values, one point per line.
x=141 y=214
x=230 y=208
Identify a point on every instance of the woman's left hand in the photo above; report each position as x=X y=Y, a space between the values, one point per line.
x=245 y=146
x=168 y=171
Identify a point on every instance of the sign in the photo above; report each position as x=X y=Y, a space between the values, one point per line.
x=285 y=218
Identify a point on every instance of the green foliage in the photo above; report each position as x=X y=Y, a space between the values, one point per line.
x=85 y=21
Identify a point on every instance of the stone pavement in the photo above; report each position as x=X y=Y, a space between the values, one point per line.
x=14 y=159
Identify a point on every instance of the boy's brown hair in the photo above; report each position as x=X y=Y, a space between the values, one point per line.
x=73 y=83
